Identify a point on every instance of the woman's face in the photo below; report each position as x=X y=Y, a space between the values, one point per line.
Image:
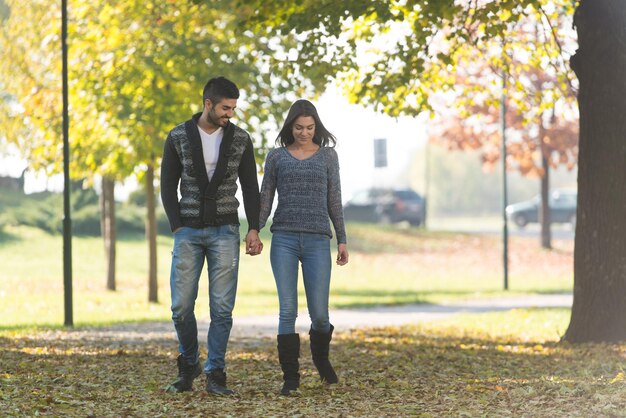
x=303 y=130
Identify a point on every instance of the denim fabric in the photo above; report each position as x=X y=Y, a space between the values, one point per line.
x=219 y=245
x=289 y=249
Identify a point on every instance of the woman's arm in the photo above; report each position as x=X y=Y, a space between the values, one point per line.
x=335 y=209
x=268 y=188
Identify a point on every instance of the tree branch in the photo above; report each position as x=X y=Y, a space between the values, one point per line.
x=554 y=36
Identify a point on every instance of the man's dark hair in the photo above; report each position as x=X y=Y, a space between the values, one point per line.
x=219 y=88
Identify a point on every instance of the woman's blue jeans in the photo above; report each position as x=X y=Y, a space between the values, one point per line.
x=289 y=249
x=219 y=245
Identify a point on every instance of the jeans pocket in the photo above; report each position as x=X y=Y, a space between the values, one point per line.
x=233 y=229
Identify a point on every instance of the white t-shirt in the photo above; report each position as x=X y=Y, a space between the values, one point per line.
x=211 y=149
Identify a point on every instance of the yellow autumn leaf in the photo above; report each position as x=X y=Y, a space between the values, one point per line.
x=619 y=377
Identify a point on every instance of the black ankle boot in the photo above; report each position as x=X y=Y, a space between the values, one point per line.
x=216 y=383
x=320 y=343
x=288 y=354
x=186 y=374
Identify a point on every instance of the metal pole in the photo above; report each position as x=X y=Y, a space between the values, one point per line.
x=505 y=228
x=426 y=180
x=67 y=220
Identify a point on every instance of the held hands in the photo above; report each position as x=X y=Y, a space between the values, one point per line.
x=254 y=246
x=342 y=255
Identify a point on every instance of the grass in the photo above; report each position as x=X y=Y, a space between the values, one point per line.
x=497 y=364
x=388 y=265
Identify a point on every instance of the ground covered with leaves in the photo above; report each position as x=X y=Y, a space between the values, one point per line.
x=425 y=370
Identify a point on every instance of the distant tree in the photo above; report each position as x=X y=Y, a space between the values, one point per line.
x=538 y=137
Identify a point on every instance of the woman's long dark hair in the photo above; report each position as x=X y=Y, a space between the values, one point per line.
x=302 y=107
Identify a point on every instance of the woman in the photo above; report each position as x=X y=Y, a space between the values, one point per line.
x=305 y=172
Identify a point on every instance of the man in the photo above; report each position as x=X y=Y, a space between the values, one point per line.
x=207 y=155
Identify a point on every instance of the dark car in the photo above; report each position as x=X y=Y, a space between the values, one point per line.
x=382 y=205
x=562 y=209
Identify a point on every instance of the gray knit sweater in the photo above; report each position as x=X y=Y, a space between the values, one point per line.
x=309 y=192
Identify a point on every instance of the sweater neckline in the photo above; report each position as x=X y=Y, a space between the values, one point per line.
x=304 y=159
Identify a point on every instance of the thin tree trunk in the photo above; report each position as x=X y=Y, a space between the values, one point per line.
x=599 y=310
x=544 y=209
x=107 y=228
x=151 y=236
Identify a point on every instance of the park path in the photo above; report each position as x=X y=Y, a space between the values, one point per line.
x=344 y=319
x=264 y=326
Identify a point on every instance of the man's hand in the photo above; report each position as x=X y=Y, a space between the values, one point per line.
x=342 y=255
x=254 y=246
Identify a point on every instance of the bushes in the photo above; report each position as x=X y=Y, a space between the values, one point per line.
x=45 y=211
x=131 y=219
x=86 y=221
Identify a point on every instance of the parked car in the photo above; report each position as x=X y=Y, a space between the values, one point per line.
x=562 y=205
x=383 y=205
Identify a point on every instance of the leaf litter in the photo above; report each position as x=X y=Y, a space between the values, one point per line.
x=386 y=372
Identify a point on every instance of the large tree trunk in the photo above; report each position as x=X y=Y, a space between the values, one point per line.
x=544 y=208
x=599 y=310
x=151 y=236
x=107 y=228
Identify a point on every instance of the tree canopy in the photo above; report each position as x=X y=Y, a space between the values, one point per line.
x=136 y=69
x=397 y=55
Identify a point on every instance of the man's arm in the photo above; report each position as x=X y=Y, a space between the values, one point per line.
x=251 y=199
x=171 y=169
x=250 y=186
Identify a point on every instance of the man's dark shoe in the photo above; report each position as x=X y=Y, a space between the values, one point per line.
x=186 y=374
x=216 y=383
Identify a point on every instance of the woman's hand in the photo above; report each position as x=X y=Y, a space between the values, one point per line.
x=254 y=246
x=342 y=254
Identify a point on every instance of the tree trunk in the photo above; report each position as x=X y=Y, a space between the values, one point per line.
x=599 y=310
x=107 y=228
x=544 y=208
x=151 y=236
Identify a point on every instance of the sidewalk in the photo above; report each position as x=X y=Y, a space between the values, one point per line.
x=260 y=326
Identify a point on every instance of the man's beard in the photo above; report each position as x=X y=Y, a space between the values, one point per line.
x=212 y=118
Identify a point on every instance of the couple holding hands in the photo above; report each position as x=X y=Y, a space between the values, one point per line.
x=204 y=157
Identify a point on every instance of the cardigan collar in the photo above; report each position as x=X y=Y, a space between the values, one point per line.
x=191 y=128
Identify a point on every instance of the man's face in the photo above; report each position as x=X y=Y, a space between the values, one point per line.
x=219 y=113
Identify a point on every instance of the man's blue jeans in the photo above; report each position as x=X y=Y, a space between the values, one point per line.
x=289 y=249
x=220 y=246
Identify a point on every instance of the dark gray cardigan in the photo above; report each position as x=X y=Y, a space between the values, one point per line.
x=205 y=203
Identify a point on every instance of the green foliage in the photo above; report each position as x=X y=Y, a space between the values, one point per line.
x=398 y=56
x=449 y=58
x=137 y=197
x=45 y=211
x=4 y=11
x=136 y=69
x=130 y=219
x=86 y=221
